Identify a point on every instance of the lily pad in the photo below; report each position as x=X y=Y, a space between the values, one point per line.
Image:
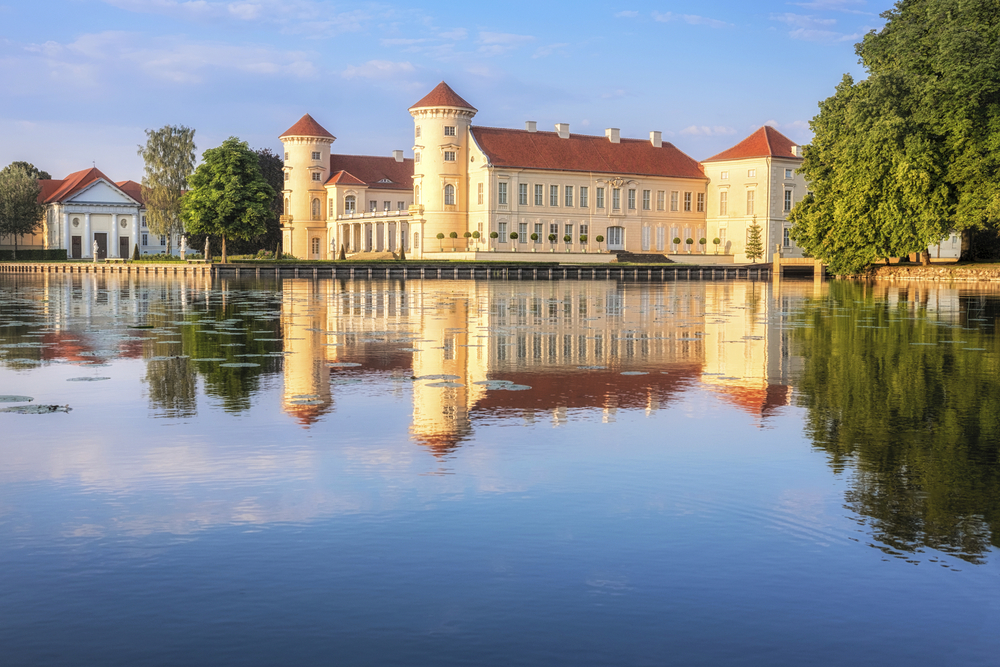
x=635 y=373
x=439 y=377
x=443 y=384
x=343 y=364
x=87 y=379
x=36 y=409
x=240 y=364
x=15 y=399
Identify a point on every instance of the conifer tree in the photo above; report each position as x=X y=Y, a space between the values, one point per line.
x=755 y=245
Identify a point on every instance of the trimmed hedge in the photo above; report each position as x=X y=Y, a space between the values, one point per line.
x=32 y=255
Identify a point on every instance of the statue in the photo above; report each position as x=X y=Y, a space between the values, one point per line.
x=183 y=247
x=208 y=257
x=97 y=250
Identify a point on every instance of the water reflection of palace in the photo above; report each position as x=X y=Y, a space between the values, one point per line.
x=592 y=345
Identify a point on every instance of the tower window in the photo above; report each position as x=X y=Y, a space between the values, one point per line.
x=416 y=132
x=449 y=156
x=449 y=130
x=315 y=155
x=317 y=176
x=449 y=195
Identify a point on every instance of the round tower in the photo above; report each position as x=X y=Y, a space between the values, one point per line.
x=440 y=174
x=307 y=168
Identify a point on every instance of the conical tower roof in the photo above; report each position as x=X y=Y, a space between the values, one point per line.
x=306 y=127
x=442 y=96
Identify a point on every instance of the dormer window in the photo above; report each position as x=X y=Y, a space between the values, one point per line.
x=316 y=155
x=385 y=180
x=449 y=130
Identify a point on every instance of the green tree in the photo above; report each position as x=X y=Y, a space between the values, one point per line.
x=169 y=157
x=907 y=155
x=20 y=210
x=30 y=168
x=755 y=246
x=228 y=197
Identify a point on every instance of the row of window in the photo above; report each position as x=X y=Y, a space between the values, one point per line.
x=449 y=131
x=570 y=196
x=752 y=173
x=351 y=205
x=538 y=229
x=750 y=208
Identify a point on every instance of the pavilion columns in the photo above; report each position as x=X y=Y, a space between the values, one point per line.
x=113 y=237
x=87 y=250
x=66 y=239
x=134 y=238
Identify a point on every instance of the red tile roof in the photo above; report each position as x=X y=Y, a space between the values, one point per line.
x=765 y=142
x=442 y=96
x=545 y=150
x=371 y=169
x=344 y=178
x=133 y=190
x=60 y=190
x=306 y=127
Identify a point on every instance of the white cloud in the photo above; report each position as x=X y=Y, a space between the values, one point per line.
x=628 y=14
x=823 y=36
x=378 y=69
x=691 y=19
x=706 y=131
x=498 y=43
x=456 y=35
x=802 y=21
x=549 y=49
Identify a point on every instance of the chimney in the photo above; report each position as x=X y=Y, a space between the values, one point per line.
x=656 y=138
x=531 y=126
x=562 y=129
x=398 y=156
x=614 y=135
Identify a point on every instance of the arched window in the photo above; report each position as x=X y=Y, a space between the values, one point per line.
x=286 y=206
x=350 y=204
x=449 y=195
x=316 y=209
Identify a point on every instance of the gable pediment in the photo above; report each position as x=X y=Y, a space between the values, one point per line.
x=101 y=192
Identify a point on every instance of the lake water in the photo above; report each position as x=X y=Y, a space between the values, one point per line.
x=304 y=472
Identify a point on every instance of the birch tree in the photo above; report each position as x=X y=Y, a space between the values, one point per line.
x=169 y=156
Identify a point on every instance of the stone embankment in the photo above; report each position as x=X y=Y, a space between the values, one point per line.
x=949 y=273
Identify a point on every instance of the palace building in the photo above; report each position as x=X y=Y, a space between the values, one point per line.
x=488 y=192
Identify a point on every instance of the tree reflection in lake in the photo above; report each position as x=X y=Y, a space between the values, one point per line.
x=901 y=387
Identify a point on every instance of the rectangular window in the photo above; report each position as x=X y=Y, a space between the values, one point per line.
x=502 y=194
x=449 y=130
x=143 y=221
x=553 y=195
x=316 y=175
x=584 y=191
x=661 y=198
x=502 y=230
x=786 y=237
x=372 y=206
x=286 y=157
x=522 y=232
x=584 y=230
x=645 y=238
x=661 y=234
x=616 y=199
x=722 y=239
x=673 y=200
x=631 y=199
x=416 y=132
x=723 y=203
x=145 y=239
x=329 y=208
x=400 y=205
x=724 y=175
x=416 y=158
x=569 y=232
x=750 y=195
x=449 y=156
x=387 y=206
x=522 y=194
x=538 y=195
x=751 y=173
x=701 y=202
x=163 y=240
x=600 y=197
x=479 y=193
x=646 y=200
x=788 y=201
x=687 y=202
x=788 y=173
x=315 y=155
x=568 y=192
x=554 y=228
x=675 y=240
x=538 y=232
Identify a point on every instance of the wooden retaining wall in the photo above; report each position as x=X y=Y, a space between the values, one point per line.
x=485 y=271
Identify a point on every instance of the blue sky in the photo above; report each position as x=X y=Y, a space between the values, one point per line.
x=80 y=80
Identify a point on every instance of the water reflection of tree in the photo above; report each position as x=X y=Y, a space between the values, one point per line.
x=172 y=386
x=918 y=423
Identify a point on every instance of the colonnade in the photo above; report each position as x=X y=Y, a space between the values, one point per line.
x=374 y=236
x=87 y=236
